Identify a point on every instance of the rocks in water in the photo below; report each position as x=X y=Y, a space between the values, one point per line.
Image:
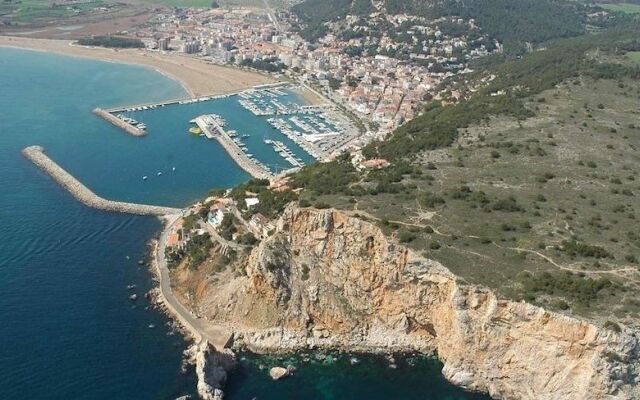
x=151 y=326
x=211 y=370
x=278 y=373
x=140 y=262
x=131 y=287
x=354 y=361
x=185 y=397
x=133 y=297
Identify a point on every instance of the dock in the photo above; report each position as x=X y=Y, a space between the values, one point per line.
x=214 y=130
x=128 y=128
x=188 y=100
x=83 y=194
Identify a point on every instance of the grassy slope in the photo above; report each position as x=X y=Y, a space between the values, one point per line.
x=499 y=204
x=634 y=55
x=622 y=7
x=569 y=172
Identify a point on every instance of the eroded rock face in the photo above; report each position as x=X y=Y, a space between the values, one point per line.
x=211 y=370
x=329 y=280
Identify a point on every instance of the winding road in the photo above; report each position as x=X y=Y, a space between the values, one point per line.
x=219 y=336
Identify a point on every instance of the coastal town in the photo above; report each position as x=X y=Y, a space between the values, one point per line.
x=379 y=69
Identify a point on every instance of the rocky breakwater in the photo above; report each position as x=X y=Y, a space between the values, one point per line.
x=327 y=280
x=128 y=128
x=84 y=194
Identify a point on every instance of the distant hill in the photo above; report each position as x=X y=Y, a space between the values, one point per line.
x=514 y=22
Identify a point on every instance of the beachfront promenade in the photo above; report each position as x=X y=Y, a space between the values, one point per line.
x=83 y=194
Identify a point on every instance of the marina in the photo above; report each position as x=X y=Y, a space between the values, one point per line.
x=125 y=124
x=277 y=131
x=285 y=153
x=212 y=125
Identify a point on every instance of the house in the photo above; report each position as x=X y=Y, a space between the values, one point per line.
x=175 y=235
x=215 y=216
x=173 y=239
x=280 y=184
x=378 y=163
x=260 y=225
x=251 y=201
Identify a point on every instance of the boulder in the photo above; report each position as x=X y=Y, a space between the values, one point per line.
x=278 y=373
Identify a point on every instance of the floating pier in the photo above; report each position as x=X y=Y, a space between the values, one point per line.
x=83 y=194
x=130 y=129
x=213 y=130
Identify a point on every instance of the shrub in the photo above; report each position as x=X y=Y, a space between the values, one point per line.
x=574 y=248
x=612 y=326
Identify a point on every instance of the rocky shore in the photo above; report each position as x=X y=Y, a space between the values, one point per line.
x=327 y=280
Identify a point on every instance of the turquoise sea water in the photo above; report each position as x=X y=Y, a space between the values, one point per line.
x=67 y=327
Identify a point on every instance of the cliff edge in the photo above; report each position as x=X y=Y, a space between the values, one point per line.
x=328 y=280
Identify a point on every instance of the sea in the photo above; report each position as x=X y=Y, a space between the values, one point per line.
x=68 y=329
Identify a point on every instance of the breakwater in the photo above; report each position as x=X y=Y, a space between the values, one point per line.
x=83 y=194
x=107 y=116
x=213 y=130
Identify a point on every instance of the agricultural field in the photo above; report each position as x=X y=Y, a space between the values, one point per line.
x=34 y=10
x=181 y=3
x=208 y=3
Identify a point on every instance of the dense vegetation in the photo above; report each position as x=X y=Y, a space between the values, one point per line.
x=515 y=23
x=195 y=252
x=270 y=203
x=112 y=41
x=269 y=65
x=566 y=284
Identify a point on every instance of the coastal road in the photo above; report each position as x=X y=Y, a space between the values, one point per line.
x=219 y=336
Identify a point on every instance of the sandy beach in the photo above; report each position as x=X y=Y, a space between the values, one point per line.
x=197 y=77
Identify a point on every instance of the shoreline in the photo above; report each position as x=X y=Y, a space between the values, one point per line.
x=197 y=77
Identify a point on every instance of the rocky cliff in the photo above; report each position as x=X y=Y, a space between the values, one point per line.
x=325 y=279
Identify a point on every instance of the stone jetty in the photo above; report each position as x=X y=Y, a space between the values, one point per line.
x=107 y=116
x=214 y=131
x=84 y=194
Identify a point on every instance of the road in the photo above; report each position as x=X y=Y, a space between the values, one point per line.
x=272 y=16
x=216 y=236
x=219 y=336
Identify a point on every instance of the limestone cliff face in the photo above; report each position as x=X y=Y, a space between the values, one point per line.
x=329 y=280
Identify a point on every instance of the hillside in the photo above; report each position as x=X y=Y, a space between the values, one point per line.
x=513 y=22
x=529 y=186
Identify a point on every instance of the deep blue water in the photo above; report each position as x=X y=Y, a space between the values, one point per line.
x=67 y=327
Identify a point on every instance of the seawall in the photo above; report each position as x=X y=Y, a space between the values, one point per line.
x=128 y=128
x=83 y=194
